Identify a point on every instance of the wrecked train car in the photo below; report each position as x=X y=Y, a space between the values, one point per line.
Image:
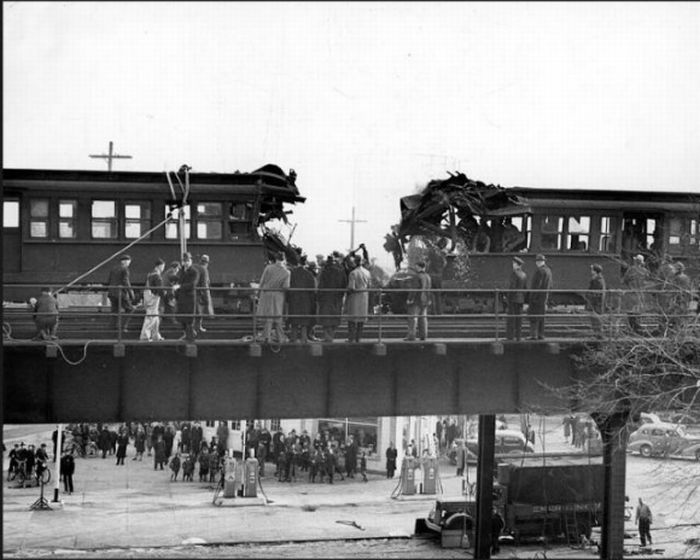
x=573 y=228
x=60 y=223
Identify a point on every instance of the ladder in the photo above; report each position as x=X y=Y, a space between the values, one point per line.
x=571 y=528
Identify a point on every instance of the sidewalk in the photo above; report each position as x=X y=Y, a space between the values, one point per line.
x=135 y=506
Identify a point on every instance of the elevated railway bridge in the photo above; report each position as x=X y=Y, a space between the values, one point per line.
x=94 y=373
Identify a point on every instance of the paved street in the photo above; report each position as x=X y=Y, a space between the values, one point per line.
x=134 y=507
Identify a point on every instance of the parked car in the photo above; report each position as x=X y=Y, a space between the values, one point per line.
x=508 y=442
x=662 y=439
x=649 y=418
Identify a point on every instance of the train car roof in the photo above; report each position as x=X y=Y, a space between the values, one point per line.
x=603 y=198
x=268 y=180
x=468 y=196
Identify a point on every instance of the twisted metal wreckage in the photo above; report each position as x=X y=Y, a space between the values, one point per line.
x=444 y=208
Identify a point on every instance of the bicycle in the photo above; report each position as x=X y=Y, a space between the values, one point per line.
x=19 y=472
x=42 y=475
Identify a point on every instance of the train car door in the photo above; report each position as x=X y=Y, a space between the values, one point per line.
x=11 y=236
x=642 y=233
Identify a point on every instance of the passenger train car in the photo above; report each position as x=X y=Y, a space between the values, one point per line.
x=58 y=224
x=572 y=228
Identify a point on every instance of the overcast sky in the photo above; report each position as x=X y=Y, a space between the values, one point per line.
x=366 y=101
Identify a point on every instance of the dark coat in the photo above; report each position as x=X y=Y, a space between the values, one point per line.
x=391 y=455
x=518 y=281
x=67 y=465
x=541 y=284
x=119 y=276
x=122 y=442
x=301 y=302
x=104 y=440
x=204 y=294
x=596 y=297
x=189 y=279
x=330 y=303
x=159 y=452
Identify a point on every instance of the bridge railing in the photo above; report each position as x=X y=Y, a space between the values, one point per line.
x=472 y=313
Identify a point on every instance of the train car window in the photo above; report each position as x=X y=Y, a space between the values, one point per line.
x=239 y=219
x=516 y=234
x=675 y=232
x=607 y=242
x=694 y=235
x=550 y=232
x=172 y=228
x=10 y=214
x=39 y=217
x=137 y=219
x=67 y=213
x=104 y=219
x=653 y=236
x=578 y=233
x=209 y=220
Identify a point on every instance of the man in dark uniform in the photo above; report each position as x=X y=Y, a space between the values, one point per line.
x=67 y=470
x=120 y=293
x=515 y=298
x=539 y=294
x=497 y=525
x=595 y=298
x=196 y=436
x=205 y=307
x=391 y=455
x=186 y=298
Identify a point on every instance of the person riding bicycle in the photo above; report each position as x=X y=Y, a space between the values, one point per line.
x=41 y=459
x=13 y=456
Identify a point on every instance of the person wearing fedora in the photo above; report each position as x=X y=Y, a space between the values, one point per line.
x=538 y=296
x=515 y=299
x=187 y=298
x=120 y=294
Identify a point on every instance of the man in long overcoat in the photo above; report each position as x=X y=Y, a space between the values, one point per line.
x=539 y=294
x=186 y=297
x=391 y=455
x=120 y=293
x=357 y=300
x=301 y=301
x=515 y=298
x=332 y=281
x=273 y=286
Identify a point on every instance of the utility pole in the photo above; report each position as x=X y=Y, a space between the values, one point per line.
x=110 y=156
x=352 y=223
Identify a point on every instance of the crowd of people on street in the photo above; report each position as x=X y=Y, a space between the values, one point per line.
x=185 y=451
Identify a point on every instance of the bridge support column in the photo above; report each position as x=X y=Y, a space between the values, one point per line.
x=484 y=488
x=614 y=433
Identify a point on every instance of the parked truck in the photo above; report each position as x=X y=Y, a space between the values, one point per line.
x=555 y=497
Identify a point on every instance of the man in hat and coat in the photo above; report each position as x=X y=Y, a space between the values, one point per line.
x=205 y=306
x=273 y=287
x=301 y=301
x=515 y=299
x=120 y=294
x=332 y=280
x=186 y=296
x=538 y=296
